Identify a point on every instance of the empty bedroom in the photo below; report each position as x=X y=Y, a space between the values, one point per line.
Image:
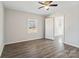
x=39 y=29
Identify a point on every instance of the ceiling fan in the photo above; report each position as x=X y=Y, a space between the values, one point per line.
x=47 y=4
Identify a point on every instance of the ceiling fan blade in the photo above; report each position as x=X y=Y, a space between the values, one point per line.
x=53 y=5
x=41 y=3
x=40 y=7
x=47 y=2
x=50 y=1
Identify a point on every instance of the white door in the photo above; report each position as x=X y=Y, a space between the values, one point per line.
x=49 y=28
x=59 y=26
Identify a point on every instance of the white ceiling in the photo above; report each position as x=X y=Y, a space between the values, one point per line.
x=32 y=6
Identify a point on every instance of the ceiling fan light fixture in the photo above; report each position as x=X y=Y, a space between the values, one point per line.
x=46 y=7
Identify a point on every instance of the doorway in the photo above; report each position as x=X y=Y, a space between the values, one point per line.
x=59 y=27
x=54 y=27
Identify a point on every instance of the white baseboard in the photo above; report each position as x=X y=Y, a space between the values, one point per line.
x=1 y=49
x=71 y=44
x=22 y=41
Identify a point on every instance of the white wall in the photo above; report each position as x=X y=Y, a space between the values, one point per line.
x=16 y=28
x=71 y=12
x=72 y=26
x=1 y=28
